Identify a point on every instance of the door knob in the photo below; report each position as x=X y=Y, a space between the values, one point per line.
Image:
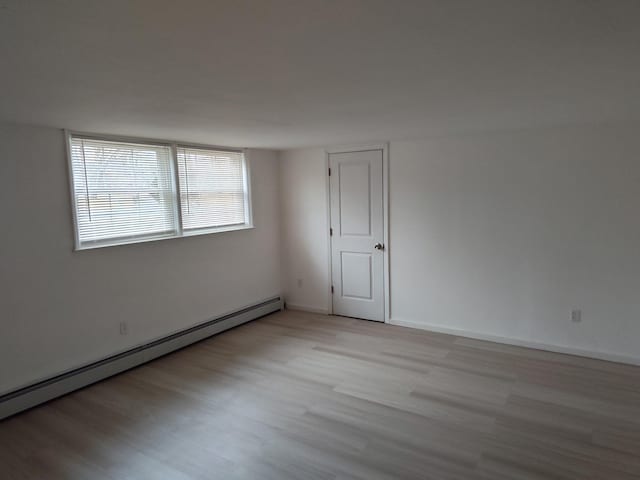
x=378 y=246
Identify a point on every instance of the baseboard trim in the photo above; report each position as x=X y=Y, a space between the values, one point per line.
x=56 y=386
x=304 y=308
x=611 y=357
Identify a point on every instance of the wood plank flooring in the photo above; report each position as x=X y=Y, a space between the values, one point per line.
x=303 y=396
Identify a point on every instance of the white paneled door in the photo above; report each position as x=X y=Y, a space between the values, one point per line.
x=357 y=234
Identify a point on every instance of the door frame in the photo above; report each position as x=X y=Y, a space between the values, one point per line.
x=385 y=218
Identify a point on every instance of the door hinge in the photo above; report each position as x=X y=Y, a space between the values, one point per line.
x=329 y=171
x=331 y=232
x=331 y=288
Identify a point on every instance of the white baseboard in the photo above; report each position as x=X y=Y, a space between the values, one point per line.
x=305 y=308
x=611 y=357
x=42 y=391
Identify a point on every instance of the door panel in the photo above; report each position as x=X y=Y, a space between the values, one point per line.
x=355 y=198
x=356 y=194
x=356 y=270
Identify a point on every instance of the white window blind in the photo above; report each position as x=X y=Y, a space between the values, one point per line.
x=122 y=190
x=212 y=188
x=130 y=191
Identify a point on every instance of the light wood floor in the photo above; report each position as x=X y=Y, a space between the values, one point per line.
x=302 y=396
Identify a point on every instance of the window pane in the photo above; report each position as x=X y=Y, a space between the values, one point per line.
x=212 y=188
x=122 y=190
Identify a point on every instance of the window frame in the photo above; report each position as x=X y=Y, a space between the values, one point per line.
x=173 y=148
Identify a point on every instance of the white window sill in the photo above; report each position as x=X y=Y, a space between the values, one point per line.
x=187 y=233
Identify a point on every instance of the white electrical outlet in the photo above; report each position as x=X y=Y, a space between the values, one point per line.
x=576 y=316
x=124 y=328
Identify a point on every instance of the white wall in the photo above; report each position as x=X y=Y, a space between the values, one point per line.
x=499 y=234
x=503 y=234
x=61 y=309
x=303 y=203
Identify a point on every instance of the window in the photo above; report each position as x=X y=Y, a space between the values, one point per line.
x=212 y=188
x=126 y=192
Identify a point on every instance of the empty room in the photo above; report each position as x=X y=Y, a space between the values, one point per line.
x=320 y=239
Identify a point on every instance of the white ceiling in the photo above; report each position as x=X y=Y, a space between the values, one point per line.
x=288 y=73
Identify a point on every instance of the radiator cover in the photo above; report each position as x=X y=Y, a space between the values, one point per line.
x=56 y=386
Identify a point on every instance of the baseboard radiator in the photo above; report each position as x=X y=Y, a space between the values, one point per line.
x=45 y=390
